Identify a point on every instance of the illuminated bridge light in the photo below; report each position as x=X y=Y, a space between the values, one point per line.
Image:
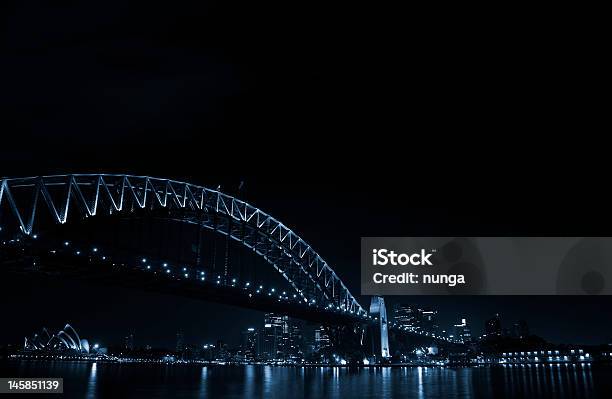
x=286 y=247
x=202 y=278
x=104 y=258
x=35 y=236
x=167 y=270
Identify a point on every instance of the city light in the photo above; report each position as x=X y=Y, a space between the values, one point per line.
x=333 y=304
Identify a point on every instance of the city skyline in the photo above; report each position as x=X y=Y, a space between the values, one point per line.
x=340 y=249
x=447 y=317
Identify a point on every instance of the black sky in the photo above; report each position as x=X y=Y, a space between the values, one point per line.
x=343 y=121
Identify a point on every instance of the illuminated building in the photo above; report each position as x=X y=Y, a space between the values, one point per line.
x=405 y=316
x=520 y=329
x=493 y=326
x=64 y=340
x=250 y=344
x=180 y=342
x=463 y=332
x=129 y=342
x=281 y=338
x=411 y=318
x=322 y=341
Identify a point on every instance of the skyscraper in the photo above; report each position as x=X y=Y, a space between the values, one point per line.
x=129 y=342
x=493 y=326
x=405 y=316
x=322 y=341
x=429 y=319
x=281 y=338
x=180 y=342
x=295 y=343
x=520 y=329
x=412 y=318
x=249 y=344
x=463 y=332
x=273 y=347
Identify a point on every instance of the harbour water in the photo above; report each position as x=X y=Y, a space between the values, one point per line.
x=116 y=380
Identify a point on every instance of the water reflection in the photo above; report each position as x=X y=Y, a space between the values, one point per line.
x=203 y=382
x=91 y=382
x=114 y=380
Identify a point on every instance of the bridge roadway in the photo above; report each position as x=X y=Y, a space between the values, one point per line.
x=40 y=261
x=67 y=265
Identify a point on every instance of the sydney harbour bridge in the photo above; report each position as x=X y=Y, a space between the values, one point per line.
x=184 y=239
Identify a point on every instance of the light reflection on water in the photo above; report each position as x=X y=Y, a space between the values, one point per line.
x=94 y=380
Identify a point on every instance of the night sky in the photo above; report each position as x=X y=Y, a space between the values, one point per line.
x=341 y=122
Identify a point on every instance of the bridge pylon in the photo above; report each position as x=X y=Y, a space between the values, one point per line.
x=380 y=336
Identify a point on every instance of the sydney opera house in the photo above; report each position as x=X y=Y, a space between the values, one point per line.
x=65 y=340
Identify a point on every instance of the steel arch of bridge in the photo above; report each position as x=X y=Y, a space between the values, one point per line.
x=94 y=194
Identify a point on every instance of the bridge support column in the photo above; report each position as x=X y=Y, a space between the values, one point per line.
x=380 y=338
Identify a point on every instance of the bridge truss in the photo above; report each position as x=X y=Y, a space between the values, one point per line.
x=86 y=195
